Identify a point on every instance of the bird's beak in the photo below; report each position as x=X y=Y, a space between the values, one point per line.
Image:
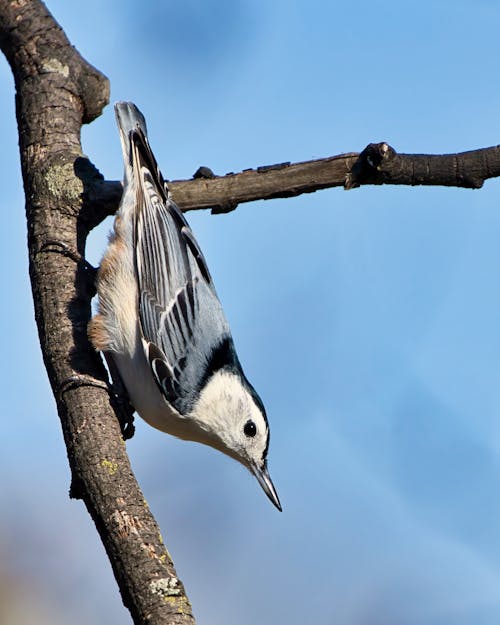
x=262 y=475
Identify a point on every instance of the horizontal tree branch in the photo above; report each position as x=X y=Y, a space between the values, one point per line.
x=377 y=164
x=223 y=193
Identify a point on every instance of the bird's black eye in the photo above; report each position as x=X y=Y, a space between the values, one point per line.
x=250 y=428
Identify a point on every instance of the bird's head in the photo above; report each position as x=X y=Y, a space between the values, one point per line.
x=232 y=416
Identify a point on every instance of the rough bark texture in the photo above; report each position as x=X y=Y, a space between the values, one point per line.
x=57 y=91
x=377 y=164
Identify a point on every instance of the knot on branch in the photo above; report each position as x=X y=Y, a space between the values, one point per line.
x=100 y=197
x=223 y=208
x=368 y=167
x=203 y=172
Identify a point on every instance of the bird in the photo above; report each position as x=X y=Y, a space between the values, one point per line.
x=161 y=325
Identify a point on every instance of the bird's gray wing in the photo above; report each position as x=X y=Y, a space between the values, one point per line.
x=181 y=317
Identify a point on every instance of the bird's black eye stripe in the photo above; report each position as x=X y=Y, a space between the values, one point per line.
x=250 y=429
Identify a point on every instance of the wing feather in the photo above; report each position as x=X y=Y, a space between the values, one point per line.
x=175 y=286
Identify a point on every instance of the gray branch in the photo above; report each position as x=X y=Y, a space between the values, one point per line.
x=377 y=164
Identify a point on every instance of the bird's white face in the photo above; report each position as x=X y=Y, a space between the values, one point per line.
x=236 y=425
x=226 y=410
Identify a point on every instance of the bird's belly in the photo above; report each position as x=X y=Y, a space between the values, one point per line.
x=146 y=396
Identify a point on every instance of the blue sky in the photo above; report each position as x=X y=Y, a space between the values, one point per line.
x=368 y=320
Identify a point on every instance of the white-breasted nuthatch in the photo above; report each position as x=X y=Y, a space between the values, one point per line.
x=161 y=322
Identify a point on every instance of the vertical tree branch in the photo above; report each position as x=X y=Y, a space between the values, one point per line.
x=57 y=91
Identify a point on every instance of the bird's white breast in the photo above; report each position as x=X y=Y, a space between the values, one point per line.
x=145 y=395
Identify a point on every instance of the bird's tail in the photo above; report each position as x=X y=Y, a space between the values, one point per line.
x=136 y=150
x=128 y=118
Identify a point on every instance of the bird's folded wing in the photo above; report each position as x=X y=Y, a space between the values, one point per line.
x=175 y=291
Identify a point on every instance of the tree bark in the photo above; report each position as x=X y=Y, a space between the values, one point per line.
x=377 y=164
x=57 y=91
